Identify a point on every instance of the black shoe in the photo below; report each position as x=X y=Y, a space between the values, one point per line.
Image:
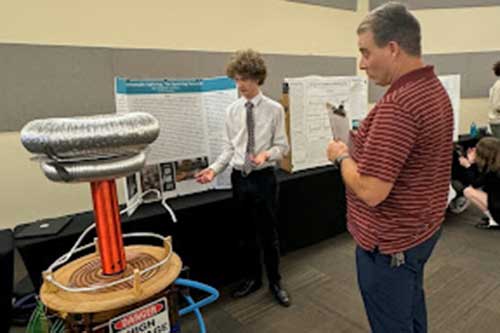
x=482 y=225
x=246 y=288
x=280 y=294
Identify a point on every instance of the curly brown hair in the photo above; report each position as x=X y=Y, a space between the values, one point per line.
x=496 y=68
x=248 y=64
x=488 y=154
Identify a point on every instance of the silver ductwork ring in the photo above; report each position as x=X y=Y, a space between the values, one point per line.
x=119 y=134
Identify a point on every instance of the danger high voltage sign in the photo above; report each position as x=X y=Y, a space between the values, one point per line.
x=150 y=318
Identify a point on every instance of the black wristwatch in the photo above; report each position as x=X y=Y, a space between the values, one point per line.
x=339 y=159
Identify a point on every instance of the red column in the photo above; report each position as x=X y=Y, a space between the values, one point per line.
x=108 y=225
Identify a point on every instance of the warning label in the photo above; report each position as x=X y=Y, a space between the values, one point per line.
x=150 y=318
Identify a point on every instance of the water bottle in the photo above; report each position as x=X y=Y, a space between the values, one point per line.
x=473 y=130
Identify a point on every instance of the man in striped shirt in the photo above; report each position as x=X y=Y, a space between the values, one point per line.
x=397 y=174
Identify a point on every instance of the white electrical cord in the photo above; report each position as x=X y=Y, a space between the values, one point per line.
x=75 y=249
x=167 y=207
x=163 y=202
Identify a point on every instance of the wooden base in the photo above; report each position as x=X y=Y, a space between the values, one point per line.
x=86 y=272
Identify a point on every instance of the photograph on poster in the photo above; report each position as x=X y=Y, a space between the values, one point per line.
x=132 y=186
x=167 y=176
x=186 y=169
x=150 y=181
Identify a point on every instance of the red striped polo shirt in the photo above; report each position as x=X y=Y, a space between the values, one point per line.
x=406 y=139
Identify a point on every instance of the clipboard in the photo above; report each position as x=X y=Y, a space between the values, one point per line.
x=339 y=122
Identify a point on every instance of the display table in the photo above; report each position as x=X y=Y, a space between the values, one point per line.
x=6 y=278
x=311 y=209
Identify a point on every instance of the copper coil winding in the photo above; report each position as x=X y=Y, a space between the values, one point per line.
x=90 y=274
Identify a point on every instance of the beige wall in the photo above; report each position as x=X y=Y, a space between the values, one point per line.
x=460 y=30
x=272 y=26
x=473 y=110
x=26 y=194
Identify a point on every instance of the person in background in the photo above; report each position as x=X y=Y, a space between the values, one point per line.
x=485 y=191
x=254 y=141
x=397 y=175
x=463 y=173
x=494 y=114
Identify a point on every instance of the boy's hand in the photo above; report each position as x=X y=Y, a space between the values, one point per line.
x=260 y=158
x=205 y=176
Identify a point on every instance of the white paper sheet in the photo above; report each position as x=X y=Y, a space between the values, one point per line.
x=451 y=84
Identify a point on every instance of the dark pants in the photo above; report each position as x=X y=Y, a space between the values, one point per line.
x=256 y=197
x=394 y=296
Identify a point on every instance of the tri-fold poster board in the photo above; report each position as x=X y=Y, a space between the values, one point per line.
x=191 y=115
x=315 y=104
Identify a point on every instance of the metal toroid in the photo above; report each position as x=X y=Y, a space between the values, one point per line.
x=119 y=134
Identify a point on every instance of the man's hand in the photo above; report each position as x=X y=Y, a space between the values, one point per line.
x=336 y=149
x=205 y=176
x=371 y=190
x=260 y=158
